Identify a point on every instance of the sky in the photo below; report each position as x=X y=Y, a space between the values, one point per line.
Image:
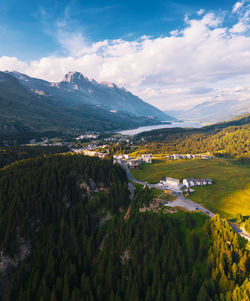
x=172 y=54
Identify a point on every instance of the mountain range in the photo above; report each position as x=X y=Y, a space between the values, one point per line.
x=213 y=111
x=76 y=102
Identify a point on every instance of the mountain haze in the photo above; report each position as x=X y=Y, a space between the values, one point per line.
x=214 y=111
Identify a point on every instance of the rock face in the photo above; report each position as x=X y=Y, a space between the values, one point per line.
x=7 y=263
x=76 y=89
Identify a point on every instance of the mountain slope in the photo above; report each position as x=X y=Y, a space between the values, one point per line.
x=76 y=89
x=24 y=109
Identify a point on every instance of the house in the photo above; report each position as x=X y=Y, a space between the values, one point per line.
x=102 y=155
x=209 y=181
x=147 y=158
x=134 y=163
x=186 y=182
x=171 y=182
x=205 y=157
x=176 y=157
x=118 y=157
x=189 y=182
x=119 y=161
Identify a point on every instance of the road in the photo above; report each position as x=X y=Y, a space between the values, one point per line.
x=241 y=232
x=181 y=201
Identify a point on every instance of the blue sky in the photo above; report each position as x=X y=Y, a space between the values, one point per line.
x=170 y=53
x=26 y=25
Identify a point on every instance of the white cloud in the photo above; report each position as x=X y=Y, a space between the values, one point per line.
x=238 y=28
x=205 y=60
x=237 y=6
x=200 y=12
x=11 y=63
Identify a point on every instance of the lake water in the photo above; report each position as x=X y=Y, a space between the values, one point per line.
x=184 y=124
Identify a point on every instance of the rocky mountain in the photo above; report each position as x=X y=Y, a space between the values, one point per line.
x=76 y=89
x=34 y=104
x=214 y=111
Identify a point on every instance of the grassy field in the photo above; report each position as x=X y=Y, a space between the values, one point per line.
x=230 y=193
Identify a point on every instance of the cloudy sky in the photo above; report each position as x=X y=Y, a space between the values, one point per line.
x=173 y=54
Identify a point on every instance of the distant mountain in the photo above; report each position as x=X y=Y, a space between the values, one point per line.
x=33 y=104
x=214 y=111
x=23 y=109
x=76 y=89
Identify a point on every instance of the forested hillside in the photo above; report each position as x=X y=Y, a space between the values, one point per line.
x=11 y=154
x=63 y=236
x=228 y=139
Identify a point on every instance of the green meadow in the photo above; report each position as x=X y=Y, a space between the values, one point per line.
x=228 y=196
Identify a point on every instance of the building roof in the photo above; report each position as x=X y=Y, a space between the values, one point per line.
x=172 y=179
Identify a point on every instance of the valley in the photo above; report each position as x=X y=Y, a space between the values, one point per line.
x=125 y=150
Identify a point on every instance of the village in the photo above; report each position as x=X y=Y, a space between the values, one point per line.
x=166 y=183
x=125 y=159
x=188 y=156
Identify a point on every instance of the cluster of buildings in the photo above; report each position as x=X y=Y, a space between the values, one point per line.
x=125 y=159
x=174 y=184
x=190 y=182
x=87 y=136
x=90 y=153
x=117 y=139
x=188 y=156
x=46 y=142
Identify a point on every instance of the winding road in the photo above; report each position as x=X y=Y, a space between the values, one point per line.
x=181 y=201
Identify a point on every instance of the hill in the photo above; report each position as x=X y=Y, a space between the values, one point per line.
x=24 y=109
x=63 y=236
x=229 y=138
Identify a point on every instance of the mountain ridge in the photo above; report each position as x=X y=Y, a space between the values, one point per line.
x=75 y=89
x=26 y=109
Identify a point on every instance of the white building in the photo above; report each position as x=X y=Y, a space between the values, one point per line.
x=147 y=158
x=190 y=182
x=170 y=182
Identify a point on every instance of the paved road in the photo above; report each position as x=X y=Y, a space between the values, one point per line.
x=241 y=232
x=181 y=201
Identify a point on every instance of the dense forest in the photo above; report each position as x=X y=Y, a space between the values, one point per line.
x=11 y=154
x=225 y=139
x=63 y=236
